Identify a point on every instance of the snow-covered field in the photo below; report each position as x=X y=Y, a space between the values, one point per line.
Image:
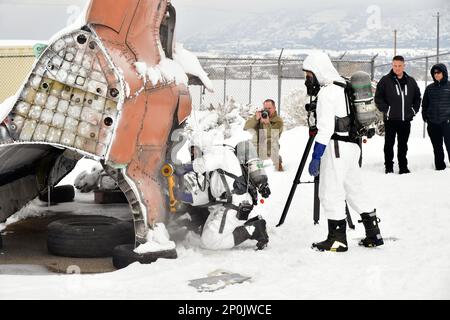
x=414 y=263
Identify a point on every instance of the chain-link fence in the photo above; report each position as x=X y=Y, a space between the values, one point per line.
x=253 y=80
x=15 y=65
x=419 y=67
x=247 y=81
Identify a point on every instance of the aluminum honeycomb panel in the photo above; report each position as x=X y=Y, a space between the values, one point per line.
x=70 y=98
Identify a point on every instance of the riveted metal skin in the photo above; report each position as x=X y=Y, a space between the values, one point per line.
x=86 y=95
x=130 y=32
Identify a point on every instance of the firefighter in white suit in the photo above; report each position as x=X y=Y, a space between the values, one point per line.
x=336 y=158
x=212 y=183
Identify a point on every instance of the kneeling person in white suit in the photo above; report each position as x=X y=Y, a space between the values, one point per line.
x=217 y=182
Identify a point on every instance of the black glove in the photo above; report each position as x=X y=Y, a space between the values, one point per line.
x=244 y=211
x=264 y=190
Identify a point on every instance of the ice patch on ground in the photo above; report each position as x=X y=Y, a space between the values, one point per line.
x=158 y=239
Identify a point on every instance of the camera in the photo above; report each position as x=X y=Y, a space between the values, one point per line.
x=265 y=114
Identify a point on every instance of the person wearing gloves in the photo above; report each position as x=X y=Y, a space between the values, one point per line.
x=215 y=181
x=436 y=113
x=336 y=158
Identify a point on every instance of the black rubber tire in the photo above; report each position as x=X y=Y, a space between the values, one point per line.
x=59 y=194
x=124 y=255
x=88 y=236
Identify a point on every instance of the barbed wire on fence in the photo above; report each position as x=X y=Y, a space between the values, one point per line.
x=247 y=81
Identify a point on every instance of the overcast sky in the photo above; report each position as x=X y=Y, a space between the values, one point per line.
x=39 y=19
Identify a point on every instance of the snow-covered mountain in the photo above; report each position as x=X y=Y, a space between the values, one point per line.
x=333 y=29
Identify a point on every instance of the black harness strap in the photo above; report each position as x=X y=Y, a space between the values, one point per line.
x=229 y=195
x=336 y=149
x=224 y=221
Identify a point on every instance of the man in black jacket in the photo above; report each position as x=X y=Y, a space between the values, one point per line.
x=436 y=113
x=398 y=97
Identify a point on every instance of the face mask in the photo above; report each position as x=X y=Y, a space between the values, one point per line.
x=312 y=86
x=196 y=153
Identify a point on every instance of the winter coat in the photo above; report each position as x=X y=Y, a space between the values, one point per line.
x=436 y=100
x=331 y=102
x=398 y=99
x=276 y=123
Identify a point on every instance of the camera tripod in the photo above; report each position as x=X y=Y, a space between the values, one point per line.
x=312 y=136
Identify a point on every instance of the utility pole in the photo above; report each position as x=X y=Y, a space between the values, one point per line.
x=438 y=16
x=395 y=42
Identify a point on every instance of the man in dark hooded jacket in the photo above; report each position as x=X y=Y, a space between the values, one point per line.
x=436 y=113
x=398 y=97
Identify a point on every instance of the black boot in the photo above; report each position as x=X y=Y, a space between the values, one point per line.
x=241 y=234
x=373 y=234
x=337 y=237
x=1 y=241
x=389 y=169
x=404 y=170
x=260 y=233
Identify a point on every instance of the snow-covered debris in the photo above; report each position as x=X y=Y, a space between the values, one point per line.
x=190 y=64
x=158 y=239
x=174 y=70
x=166 y=71
x=294 y=112
x=222 y=122
x=96 y=179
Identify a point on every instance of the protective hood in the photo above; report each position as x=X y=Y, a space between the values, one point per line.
x=320 y=64
x=441 y=67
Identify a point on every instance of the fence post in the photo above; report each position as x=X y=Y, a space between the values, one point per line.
x=426 y=84
x=280 y=79
x=225 y=85
x=250 y=85
x=372 y=69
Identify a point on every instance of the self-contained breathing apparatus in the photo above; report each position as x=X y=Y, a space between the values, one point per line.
x=361 y=120
x=194 y=188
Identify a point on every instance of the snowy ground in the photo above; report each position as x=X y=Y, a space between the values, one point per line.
x=413 y=209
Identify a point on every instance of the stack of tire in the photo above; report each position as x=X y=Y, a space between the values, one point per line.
x=94 y=236
x=98 y=237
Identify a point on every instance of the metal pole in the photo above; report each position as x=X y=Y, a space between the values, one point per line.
x=280 y=77
x=312 y=136
x=437 y=58
x=395 y=43
x=426 y=84
x=201 y=97
x=372 y=69
x=225 y=86
x=316 y=206
x=251 y=83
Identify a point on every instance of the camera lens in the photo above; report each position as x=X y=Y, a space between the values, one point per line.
x=265 y=114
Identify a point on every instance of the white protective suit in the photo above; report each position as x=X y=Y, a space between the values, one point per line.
x=218 y=230
x=340 y=178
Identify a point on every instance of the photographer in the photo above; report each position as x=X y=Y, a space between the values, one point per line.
x=266 y=127
x=336 y=157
